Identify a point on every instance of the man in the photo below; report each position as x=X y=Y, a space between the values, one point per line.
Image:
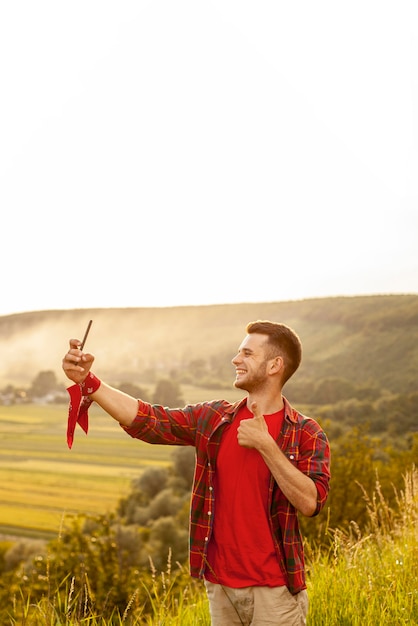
x=258 y=463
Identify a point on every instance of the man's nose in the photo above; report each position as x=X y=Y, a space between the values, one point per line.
x=235 y=360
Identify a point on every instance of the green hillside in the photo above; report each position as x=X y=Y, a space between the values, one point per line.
x=366 y=340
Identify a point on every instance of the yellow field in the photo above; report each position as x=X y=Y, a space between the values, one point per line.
x=42 y=481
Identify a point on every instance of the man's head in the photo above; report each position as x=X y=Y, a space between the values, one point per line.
x=281 y=341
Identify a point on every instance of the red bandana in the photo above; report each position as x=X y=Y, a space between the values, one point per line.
x=79 y=405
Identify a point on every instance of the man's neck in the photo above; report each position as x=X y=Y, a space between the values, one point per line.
x=267 y=404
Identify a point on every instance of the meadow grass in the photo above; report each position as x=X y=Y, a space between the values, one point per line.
x=370 y=579
x=367 y=579
x=170 y=603
x=359 y=580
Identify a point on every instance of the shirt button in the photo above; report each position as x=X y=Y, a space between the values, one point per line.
x=206 y=538
x=209 y=513
x=291 y=457
x=210 y=488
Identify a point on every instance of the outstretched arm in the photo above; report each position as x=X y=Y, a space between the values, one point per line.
x=121 y=406
x=298 y=488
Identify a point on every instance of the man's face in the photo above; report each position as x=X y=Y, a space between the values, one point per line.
x=251 y=363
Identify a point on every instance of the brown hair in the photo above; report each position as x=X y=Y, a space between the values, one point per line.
x=284 y=342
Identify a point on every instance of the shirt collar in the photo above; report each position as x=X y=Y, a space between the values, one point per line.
x=289 y=412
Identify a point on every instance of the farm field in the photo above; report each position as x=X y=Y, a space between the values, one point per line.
x=42 y=481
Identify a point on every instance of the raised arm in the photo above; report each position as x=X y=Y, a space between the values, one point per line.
x=121 y=406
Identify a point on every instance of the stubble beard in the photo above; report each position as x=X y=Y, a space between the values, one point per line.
x=254 y=382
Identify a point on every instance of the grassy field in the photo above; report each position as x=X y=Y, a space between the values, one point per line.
x=42 y=481
x=360 y=580
x=368 y=579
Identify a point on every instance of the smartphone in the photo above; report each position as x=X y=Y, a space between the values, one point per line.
x=86 y=334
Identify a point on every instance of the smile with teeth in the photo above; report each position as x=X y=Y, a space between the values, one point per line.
x=239 y=372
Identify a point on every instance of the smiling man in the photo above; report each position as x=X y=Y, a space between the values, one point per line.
x=259 y=463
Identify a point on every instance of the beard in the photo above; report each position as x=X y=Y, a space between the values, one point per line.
x=254 y=381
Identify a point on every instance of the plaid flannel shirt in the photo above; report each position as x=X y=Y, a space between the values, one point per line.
x=201 y=425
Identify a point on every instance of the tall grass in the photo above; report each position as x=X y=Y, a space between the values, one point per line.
x=370 y=579
x=367 y=579
x=173 y=599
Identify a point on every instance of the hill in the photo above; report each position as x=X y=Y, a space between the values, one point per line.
x=365 y=340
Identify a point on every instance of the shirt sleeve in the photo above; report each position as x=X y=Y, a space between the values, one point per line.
x=159 y=425
x=315 y=460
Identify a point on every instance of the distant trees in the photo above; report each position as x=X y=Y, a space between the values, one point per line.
x=159 y=503
x=333 y=400
x=43 y=384
x=168 y=393
x=330 y=390
x=44 y=387
x=132 y=390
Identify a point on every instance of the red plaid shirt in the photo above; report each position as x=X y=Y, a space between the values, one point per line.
x=201 y=425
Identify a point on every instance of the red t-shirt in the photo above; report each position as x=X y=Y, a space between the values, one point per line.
x=241 y=551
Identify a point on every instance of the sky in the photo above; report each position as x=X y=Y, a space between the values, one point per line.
x=160 y=153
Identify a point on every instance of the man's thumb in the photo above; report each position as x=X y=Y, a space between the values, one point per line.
x=254 y=409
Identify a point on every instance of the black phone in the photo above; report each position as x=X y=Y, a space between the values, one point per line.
x=86 y=334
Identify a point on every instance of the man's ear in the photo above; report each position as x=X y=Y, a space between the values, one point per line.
x=277 y=365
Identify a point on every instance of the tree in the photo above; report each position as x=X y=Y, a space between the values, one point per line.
x=133 y=390
x=167 y=536
x=330 y=390
x=43 y=384
x=183 y=467
x=152 y=481
x=168 y=393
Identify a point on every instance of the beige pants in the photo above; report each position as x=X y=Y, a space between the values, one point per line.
x=256 y=606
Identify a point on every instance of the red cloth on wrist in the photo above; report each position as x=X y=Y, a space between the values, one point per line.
x=79 y=405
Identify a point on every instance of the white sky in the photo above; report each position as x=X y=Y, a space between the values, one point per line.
x=169 y=153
